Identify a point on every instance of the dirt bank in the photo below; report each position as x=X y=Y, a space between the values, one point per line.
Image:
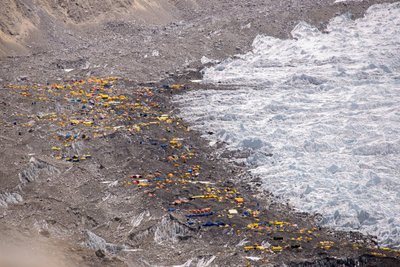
x=27 y=25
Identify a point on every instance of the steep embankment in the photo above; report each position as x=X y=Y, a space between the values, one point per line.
x=25 y=23
x=15 y=21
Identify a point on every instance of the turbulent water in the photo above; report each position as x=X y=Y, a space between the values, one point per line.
x=319 y=118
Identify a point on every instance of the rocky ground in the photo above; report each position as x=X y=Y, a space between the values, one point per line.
x=102 y=172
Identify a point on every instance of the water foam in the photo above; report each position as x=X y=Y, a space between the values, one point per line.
x=320 y=116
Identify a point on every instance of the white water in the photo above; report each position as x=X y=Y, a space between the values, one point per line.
x=327 y=107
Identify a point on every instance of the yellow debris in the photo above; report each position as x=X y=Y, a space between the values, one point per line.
x=136 y=128
x=163 y=117
x=176 y=86
x=253 y=226
x=239 y=200
x=205 y=196
x=104 y=96
x=175 y=143
x=326 y=243
x=277 y=223
x=210 y=196
x=276 y=248
x=88 y=123
x=25 y=94
x=297 y=238
x=255 y=247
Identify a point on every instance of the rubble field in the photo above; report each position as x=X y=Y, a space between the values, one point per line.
x=98 y=168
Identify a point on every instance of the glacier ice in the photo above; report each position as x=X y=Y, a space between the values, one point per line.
x=320 y=116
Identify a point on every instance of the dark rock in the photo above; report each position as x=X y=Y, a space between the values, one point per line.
x=100 y=253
